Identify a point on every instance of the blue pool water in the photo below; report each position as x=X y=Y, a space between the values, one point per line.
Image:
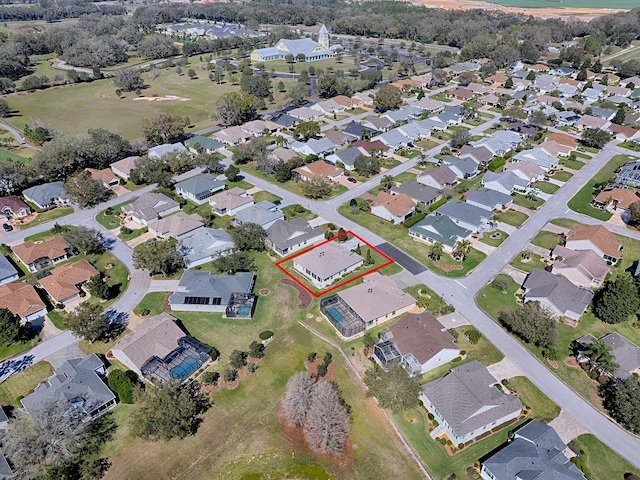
x=334 y=315
x=244 y=311
x=186 y=368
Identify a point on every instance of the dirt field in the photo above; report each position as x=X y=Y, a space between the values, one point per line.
x=585 y=14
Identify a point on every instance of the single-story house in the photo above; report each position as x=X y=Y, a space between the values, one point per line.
x=584 y=268
x=8 y=272
x=178 y=226
x=439 y=177
x=122 y=168
x=488 y=199
x=596 y=238
x=149 y=207
x=467 y=404
x=198 y=189
x=64 y=283
x=47 y=195
x=263 y=213
x=506 y=182
x=79 y=384
x=536 y=450
x=348 y=157
x=283 y=154
x=588 y=121
x=45 y=254
x=360 y=307
x=619 y=199
x=105 y=176
x=629 y=174
x=22 y=300
x=418 y=192
x=439 y=228
x=202 y=291
x=562 y=139
x=557 y=294
x=306 y=114
x=625 y=353
x=463 y=167
x=327 y=263
x=230 y=202
x=232 y=135
x=500 y=142
x=527 y=170
x=205 y=245
x=320 y=147
x=14 y=207
x=464 y=214
x=318 y=170
x=158 y=350
x=394 y=208
x=257 y=128
x=327 y=107
x=540 y=156
x=418 y=342
x=340 y=139
x=160 y=150
x=480 y=155
x=288 y=236
x=198 y=143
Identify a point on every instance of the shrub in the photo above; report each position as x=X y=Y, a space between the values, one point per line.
x=435 y=423
x=238 y=359
x=505 y=382
x=125 y=230
x=210 y=378
x=442 y=441
x=230 y=375
x=256 y=350
x=454 y=333
x=473 y=335
x=430 y=415
x=121 y=385
x=449 y=442
x=312 y=357
x=457 y=359
x=145 y=312
x=322 y=370
x=460 y=446
x=252 y=367
x=214 y=354
x=463 y=352
x=266 y=335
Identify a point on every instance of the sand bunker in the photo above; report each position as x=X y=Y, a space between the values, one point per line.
x=166 y=98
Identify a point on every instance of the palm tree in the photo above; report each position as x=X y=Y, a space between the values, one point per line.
x=600 y=357
x=436 y=251
x=281 y=141
x=463 y=247
x=387 y=183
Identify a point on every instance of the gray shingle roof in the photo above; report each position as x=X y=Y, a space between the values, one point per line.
x=74 y=381
x=328 y=259
x=6 y=269
x=45 y=193
x=201 y=184
x=536 y=452
x=261 y=214
x=558 y=290
x=204 y=243
x=284 y=234
x=440 y=228
x=150 y=206
x=488 y=198
x=464 y=212
x=625 y=352
x=467 y=400
x=418 y=191
x=196 y=283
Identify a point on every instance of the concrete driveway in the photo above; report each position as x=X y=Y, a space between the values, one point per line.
x=504 y=369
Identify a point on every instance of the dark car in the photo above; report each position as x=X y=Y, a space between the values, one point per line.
x=352 y=180
x=7 y=227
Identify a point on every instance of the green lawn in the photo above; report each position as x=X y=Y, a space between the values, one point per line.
x=600 y=461
x=527 y=266
x=531 y=203
x=7 y=156
x=243 y=184
x=408 y=153
x=434 y=302
x=406 y=177
x=109 y=218
x=493 y=301
x=581 y=202
x=65 y=107
x=630 y=145
x=511 y=217
x=494 y=242
x=248 y=414
x=564 y=222
x=115 y=270
x=154 y=302
x=125 y=237
x=543 y=408
x=545 y=239
x=562 y=175
x=291 y=185
x=47 y=216
x=427 y=144
x=22 y=383
x=399 y=236
x=264 y=196
x=546 y=187
x=572 y=164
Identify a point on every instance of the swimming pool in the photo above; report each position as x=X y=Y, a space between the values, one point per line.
x=186 y=368
x=334 y=315
x=244 y=311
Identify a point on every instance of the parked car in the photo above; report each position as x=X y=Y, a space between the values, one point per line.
x=7 y=227
x=352 y=180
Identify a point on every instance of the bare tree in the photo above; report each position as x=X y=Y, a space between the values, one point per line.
x=297 y=398
x=326 y=427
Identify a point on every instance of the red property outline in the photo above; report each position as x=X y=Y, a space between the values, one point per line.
x=324 y=292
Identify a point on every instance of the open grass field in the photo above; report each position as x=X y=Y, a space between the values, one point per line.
x=511 y=217
x=65 y=107
x=600 y=460
x=283 y=66
x=292 y=185
x=546 y=187
x=240 y=436
x=562 y=175
x=21 y=383
x=621 y=4
x=531 y=203
x=581 y=201
x=399 y=236
x=44 y=217
x=545 y=239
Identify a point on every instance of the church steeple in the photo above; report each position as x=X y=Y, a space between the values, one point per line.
x=323 y=37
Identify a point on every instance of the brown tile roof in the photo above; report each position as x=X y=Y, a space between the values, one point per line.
x=554 y=148
x=539 y=67
x=29 y=252
x=397 y=205
x=343 y=101
x=587 y=262
x=628 y=132
x=284 y=154
x=562 y=139
x=62 y=281
x=421 y=335
x=599 y=236
x=569 y=81
x=13 y=203
x=125 y=165
x=20 y=298
x=623 y=197
x=318 y=170
x=497 y=78
x=376 y=145
x=105 y=175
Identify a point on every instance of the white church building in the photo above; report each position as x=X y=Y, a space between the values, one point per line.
x=311 y=50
